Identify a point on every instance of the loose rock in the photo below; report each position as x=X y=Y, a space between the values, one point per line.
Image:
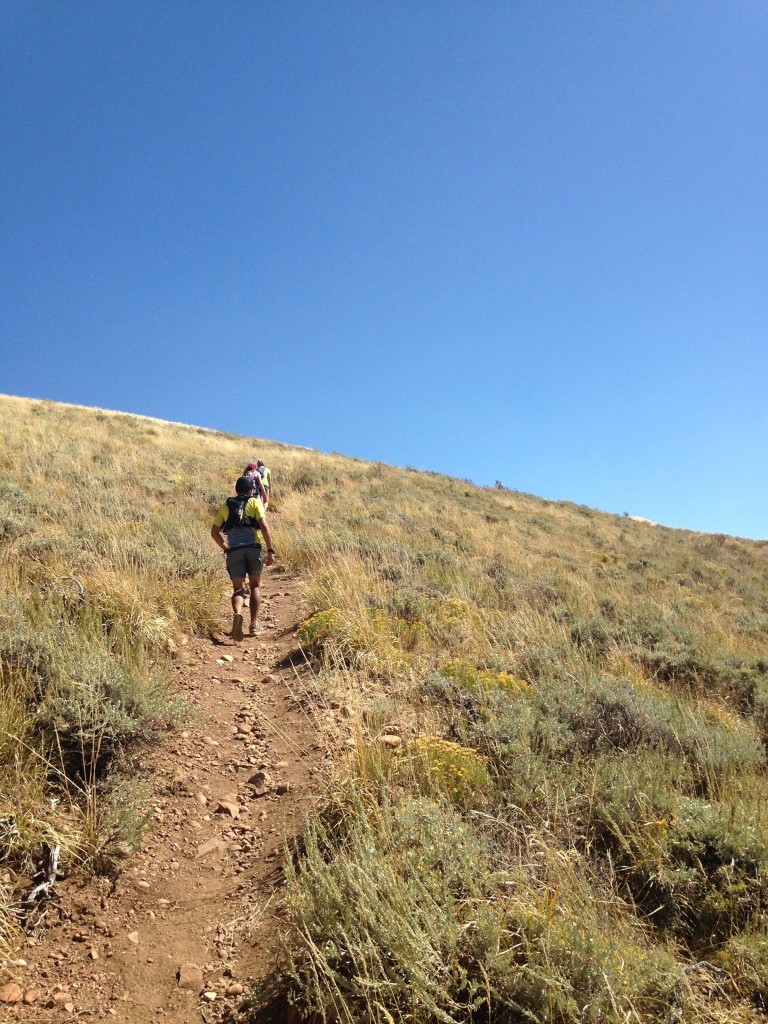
x=190 y=977
x=10 y=993
x=232 y=808
x=260 y=782
x=208 y=847
x=390 y=742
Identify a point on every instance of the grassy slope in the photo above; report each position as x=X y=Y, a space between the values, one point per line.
x=575 y=814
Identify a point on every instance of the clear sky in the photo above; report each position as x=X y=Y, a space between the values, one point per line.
x=522 y=241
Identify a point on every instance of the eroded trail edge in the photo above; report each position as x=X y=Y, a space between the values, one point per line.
x=193 y=923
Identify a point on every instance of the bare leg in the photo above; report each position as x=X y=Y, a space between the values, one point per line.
x=255 y=601
x=238 y=599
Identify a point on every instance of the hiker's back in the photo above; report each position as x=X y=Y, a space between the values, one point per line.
x=240 y=527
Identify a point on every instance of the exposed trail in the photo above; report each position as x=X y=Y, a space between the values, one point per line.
x=204 y=891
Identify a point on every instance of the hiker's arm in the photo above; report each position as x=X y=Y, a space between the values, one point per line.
x=262 y=492
x=263 y=526
x=217 y=536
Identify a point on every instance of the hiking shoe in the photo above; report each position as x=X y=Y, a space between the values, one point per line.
x=255 y=628
x=237 y=626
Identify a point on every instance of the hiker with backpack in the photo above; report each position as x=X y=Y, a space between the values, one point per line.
x=236 y=530
x=252 y=470
x=265 y=475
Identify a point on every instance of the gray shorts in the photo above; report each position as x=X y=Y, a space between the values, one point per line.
x=243 y=562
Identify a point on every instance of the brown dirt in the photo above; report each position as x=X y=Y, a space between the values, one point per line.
x=114 y=947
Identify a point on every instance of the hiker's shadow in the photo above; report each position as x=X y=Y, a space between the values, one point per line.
x=226 y=641
x=294 y=659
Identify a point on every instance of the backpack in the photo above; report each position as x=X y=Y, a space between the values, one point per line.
x=237 y=516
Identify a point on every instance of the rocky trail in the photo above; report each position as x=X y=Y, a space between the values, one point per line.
x=185 y=932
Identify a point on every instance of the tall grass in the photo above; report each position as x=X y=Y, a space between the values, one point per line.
x=104 y=560
x=553 y=810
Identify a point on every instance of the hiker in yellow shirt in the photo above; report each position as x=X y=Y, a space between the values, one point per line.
x=252 y=470
x=240 y=520
x=266 y=479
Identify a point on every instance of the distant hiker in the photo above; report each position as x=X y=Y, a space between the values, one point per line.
x=266 y=479
x=252 y=470
x=241 y=519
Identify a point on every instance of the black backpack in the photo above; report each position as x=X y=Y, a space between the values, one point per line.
x=237 y=515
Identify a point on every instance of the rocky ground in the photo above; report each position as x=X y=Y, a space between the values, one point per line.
x=188 y=929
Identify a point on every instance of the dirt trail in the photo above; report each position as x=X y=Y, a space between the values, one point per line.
x=204 y=890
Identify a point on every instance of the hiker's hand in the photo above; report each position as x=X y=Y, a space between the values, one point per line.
x=270 y=559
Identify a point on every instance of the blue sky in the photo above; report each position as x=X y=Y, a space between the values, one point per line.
x=524 y=242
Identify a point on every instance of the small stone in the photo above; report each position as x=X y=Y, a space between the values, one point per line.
x=283 y=788
x=260 y=782
x=234 y=989
x=69 y=1007
x=31 y=996
x=237 y=680
x=190 y=977
x=10 y=993
x=201 y=798
x=163 y=904
x=228 y=658
x=390 y=742
x=209 y=997
x=208 y=847
x=93 y=954
x=133 y=937
x=228 y=807
x=269 y=679
x=245 y=728
x=143 y=885
x=60 y=999
x=282 y=764
x=209 y=741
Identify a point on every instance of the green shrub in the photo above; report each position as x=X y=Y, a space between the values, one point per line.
x=698 y=868
x=397 y=914
x=86 y=701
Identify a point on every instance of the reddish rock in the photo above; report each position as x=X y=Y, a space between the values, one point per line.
x=208 y=847
x=10 y=993
x=191 y=978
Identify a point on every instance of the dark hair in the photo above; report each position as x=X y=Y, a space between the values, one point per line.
x=244 y=485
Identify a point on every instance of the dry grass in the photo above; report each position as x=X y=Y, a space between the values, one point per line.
x=582 y=702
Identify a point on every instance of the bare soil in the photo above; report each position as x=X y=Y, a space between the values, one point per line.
x=205 y=889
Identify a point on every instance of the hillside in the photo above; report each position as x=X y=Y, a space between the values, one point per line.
x=545 y=793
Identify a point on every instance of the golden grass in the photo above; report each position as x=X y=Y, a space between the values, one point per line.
x=640 y=670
